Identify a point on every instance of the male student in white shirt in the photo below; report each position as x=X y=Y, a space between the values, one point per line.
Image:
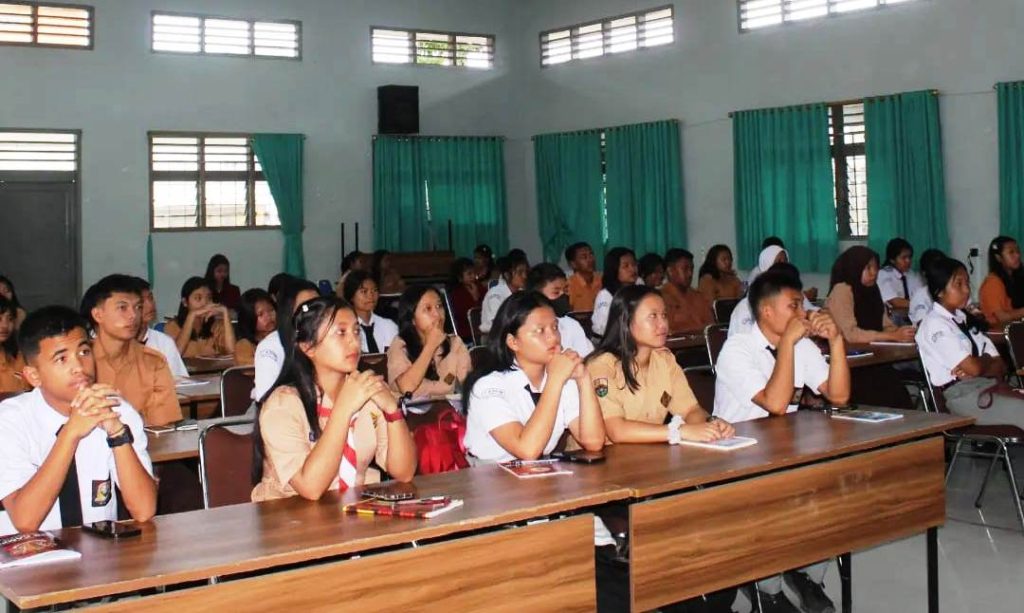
x=155 y=339
x=550 y=280
x=65 y=445
x=761 y=373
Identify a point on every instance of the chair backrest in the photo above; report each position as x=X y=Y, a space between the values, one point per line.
x=449 y=312
x=1015 y=340
x=586 y=319
x=723 y=308
x=236 y=386
x=477 y=355
x=715 y=336
x=702 y=381
x=474 y=325
x=225 y=464
x=325 y=287
x=387 y=306
x=936 y=401
x=377 y=362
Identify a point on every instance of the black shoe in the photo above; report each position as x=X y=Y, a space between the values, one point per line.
x=812 y=595
x=776 y=603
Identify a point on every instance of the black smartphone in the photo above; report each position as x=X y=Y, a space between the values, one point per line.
x=391 y=492
x=580 y=456
x=113 y=529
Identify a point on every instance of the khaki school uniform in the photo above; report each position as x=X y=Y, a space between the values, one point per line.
x=200 y=347
x=687 y=311
x=663 y=389
x=287 y=443
x=993 y=297
x=725 y=287
x=245 y=352
x=840 y=304
x=581 y=293
x=144 y=380
x=9 y=368
x=450 y=370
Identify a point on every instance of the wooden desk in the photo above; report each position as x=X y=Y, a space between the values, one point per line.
x=198 y=366
x=191 y=396
x=685 y=341
x=881 y=354
x=180 y=445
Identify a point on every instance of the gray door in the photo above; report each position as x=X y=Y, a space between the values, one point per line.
x=39 y=240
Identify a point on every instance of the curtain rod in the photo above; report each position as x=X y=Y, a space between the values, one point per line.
x=934 y=92
x=434 y=136
x=625 y=125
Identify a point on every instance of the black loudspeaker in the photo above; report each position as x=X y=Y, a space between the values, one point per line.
x=398 y=109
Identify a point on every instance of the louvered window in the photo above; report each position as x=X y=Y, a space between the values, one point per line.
x=754 y=14
x=197 y=34
x=641 y=30
x=46 y=25
x=395 y=46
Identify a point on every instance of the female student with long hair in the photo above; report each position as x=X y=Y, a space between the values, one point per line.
x=855 y=300
x=257 y=318
x=716 y=278
x=270 y=353
x=1002 y=292
x=423 y=360
x=7 y=291
x=549 y=279
x=202 y=327
x=387 y=278
x=360 y=291
x=512 y=270
x=11 y=361
x=466 y=292
x=896 y=281
x=218 y=274
x=620 y=269
x=483 y=264
x=324 y=421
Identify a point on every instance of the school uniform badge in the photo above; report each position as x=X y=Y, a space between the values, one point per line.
x=101 y=492
x=449 y=379
x=601 y=387
x=665 y=399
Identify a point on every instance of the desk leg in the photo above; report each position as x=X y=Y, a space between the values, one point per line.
x=933 y=570
x=846 y=579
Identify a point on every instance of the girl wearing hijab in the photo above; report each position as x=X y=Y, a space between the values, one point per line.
x=856 y=302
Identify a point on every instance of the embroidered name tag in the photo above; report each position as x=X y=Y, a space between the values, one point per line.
x=665 y=399
x=601 y=387
x=449 y=379
x=101 y=492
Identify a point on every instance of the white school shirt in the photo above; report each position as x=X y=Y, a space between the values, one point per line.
x=384 y=331
x=943 y=345
x=156 y=339
x=268 y=363
x=745 y=366
x=599 y=318
x=573 y=336
x=501 y=398
x=920 y=305
x=493 y=300
x=742 y=319
x=28 y=431
x=891 y=287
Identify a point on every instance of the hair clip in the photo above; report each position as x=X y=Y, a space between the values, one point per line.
x=304 y=308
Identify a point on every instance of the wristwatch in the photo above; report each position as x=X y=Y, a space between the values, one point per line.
x=124 y=438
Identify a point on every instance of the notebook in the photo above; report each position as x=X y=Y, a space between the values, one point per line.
x=726 y=444
x=873 y=417
x=187 y=382
x=33 y=548
x=415 y=508
x=529 y=469
x=179 y=426
x=894 y=343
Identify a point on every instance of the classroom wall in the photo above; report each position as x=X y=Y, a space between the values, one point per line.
x=120 y=90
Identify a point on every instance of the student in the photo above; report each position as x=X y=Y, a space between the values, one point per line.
x=155 y=339
x=324 y=422
x=896 y=281
x=466 y=293
x=652 y=270
x=70 y=447
x=113 y=306
x=218 y=275
x=961 y=360
x=387 y=278
x=771 y=241
x=717 y=280
x=549 y=280
x=619 y=271
x=11 y=362
x=202 y=327
x=257 y=318
x=688 y=310
x=513 y=270
x=760 y=374
x=355 y=260
x=742 y=319
x=483 y=264
x=921 y=300
x=585 y=282
x=270 y=353
x=276 y=283
x=7 y=291
x=855 y=301
x=360 y=291
x=423 y=360
x=1002 y=292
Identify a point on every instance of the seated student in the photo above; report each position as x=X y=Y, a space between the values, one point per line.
x=155 y=339
x=11 y=362
x=387 y=278
x=257 y=318
x=423 y=360
x=360 y=291
x=1002 y=292
x=961 y=361
x=716 y=279
x=652 y=270
x=484 y=265
x=354 y=260
x=68 y=447
x=585 y=282
x=277 y=283
x=513 y=270
x=7 y=291
x=896 y=281
x=742 y=319
x=771 y=241
x=549 y=280
x=270 y=353
x=218 y=275
x=324 y=422
x=921 y=301
x=619 y=271
x=855 y=301
x=760 y=373
x=466 y=293
x=113 y=306
x=202 y=327
x=687 y=309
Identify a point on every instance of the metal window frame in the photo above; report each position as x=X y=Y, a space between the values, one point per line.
x=452 y=37
x=35 y=25
x=829 y=15
x=840 y=150
x=605 y=22
x=202 y=36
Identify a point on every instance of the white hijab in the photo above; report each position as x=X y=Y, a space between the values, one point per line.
x=765 y=261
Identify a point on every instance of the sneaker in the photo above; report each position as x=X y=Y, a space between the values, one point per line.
x=776 y=603
x=812 y=595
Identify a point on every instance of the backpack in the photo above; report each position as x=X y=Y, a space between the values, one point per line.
x=439 y=444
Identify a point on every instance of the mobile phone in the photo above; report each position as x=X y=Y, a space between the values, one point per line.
x=391 y=492
x=113 y=529
x=580 y=456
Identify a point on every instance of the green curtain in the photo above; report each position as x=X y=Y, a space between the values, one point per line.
x=570 y=191
x=644 y=199
x=1011 y=158
x=783 y=185
x=150 y=271
x=906 y=188
x=399 y=200
x=280 y=155
x=465 y=183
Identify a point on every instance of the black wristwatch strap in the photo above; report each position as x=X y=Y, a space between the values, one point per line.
x=125 y=438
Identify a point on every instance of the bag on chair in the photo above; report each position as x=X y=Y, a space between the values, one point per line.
x=439 y=445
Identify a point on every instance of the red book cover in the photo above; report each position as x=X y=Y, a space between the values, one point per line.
x=413 y=509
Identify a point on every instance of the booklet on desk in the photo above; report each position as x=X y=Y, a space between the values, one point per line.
x=529 y=469
x=725 y=444
x=33 y=548
x=873 y=417
x=417 y=508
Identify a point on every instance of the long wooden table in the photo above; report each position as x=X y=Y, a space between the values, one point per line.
x=200 y=366
x=190 y=397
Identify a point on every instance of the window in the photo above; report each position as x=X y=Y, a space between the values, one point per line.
x=39 y=151
x=849 y=169
x=754 y=14
x=616 y=35
x=204 y=181
x=393 y=46
x=177 y=33
x=50 y=25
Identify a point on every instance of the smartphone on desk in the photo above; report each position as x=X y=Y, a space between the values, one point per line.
x=581 y=456
x=113 y=529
